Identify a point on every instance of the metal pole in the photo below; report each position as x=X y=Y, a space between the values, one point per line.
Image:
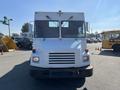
x=9 y=27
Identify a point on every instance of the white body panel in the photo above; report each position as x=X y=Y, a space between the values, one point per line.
x=59 y=52
x=55 y=16
x=53 y=45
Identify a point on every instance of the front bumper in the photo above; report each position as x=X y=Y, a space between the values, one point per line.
x=81 y=72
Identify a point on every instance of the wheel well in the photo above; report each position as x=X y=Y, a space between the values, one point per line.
x=115 y=46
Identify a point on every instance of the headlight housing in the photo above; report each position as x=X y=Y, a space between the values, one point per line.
x=35 y=59
x=86 y=56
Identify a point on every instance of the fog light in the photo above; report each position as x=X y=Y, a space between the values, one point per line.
x=35 y=59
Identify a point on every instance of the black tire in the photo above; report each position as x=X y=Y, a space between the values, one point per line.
x=116 y=47
x=85 y=88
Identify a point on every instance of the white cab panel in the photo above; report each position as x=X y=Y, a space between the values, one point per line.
x=52 y=51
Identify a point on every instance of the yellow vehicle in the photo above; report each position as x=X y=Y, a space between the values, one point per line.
x=7 y=43
x=111 y=40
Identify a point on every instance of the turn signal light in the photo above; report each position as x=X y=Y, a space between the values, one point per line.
x=33 y=50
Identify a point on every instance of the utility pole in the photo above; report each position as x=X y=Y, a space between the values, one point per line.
x=6 y=21
x=9 y=25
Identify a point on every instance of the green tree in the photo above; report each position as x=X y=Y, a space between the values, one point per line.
x=25 y=27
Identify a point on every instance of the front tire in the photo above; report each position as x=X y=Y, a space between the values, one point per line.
x=116 y=47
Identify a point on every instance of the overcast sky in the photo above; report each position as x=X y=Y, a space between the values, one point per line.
x=101 y=14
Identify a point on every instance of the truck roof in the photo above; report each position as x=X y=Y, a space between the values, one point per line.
x=111 y=31
x=72 y=16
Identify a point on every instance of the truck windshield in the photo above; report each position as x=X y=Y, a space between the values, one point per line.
x=112 y=36
x=50 y=29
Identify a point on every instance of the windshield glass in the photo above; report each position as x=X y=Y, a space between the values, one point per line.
x=50 y=29
x=112 y=36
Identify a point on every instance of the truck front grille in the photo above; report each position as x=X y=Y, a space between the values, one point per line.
x=61 y=58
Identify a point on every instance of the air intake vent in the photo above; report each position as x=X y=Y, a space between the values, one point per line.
x=61 y=58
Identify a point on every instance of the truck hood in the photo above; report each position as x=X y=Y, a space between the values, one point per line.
x=59 y=44
x=55 y=49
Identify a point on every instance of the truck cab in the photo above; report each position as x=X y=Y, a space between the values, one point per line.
x=59 y=46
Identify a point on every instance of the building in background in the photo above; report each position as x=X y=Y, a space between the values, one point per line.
x=1 y=34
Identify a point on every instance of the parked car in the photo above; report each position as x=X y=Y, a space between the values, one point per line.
x=89 y=40
x=24 y=43
x=99 y=40
x=94 y=40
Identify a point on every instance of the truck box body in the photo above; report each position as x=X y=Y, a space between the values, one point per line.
x=59 y=43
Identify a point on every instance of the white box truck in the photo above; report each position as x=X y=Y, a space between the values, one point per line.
x=59 y=46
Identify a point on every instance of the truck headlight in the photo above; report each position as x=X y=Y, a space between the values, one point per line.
x=86 y=55
x=35 y=59
x=86 y=58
